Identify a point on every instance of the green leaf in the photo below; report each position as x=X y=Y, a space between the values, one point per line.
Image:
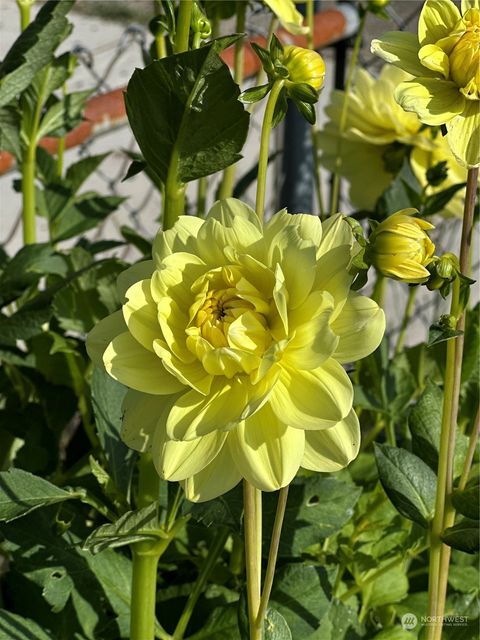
x=27 y=267
x=46 y=166
x=440 y=333
x=10 y=131
x=389 y=588
x=302 y=595
x=438 y=201
x=393 y=633
x=78 y=172
x=186 y=106
x=107 y=398
x=467 y=502
x=464 y=535
x=317 y=508
x=403 y=192
x=275 y=626
x=425 y=421
x=64 y=115
x=57 y=588
x=22 y=492
x=33 y=49
x=464 y=579
x=226 y=511
x=221 y=624
x=135 y=239
x=81 y=214
x=23 y=325
x=408 y=481
x=135 y=167
x=15 y=627
x=133 y=526
x=254 y=94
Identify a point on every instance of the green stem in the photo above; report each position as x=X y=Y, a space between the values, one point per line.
x=453 y=382
x=226 y=187
x=183 y=25
x=214 y=552
x=145 y=557
x=443 y=457
x=334 y=198
x=253 y=553
x=28 y=194
x=264 y=147
x=24 y=7
x=378 y=293
x=202 y=187
x=272 y=558
x=148 y=481
x=390 y=432
x=412 y=293
x=174 y=199
x=314 y=131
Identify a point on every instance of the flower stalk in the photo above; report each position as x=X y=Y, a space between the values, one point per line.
x=145 y=557
x=226 y=187
x=252 y=505
x=334 y=198
x=185 y=10
x=264 y=146
x=444 y=510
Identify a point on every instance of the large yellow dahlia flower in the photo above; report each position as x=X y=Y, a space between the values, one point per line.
x=445 y=60
x=375 y=122
x=290 y=18
x=232 y=342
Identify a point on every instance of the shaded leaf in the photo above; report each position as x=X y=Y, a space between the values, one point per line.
x=15 y=627
x=463 y=536
x=467 y=502
x=408 y=481
x=187 y=105
x=22 y=492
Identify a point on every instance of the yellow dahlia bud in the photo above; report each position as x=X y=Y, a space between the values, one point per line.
x=401 y=249
x=377 y=4
x=304 y=65
x=465 y=60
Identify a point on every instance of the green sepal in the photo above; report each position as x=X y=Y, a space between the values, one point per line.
x=254 y=94
x=303 y=91
x=307 y=110
x=281 y=108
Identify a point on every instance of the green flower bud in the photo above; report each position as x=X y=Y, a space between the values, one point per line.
x=304 y=66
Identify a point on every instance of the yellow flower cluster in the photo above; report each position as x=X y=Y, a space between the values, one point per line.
x=231 y=342
x=374 y=122
x=445 y=62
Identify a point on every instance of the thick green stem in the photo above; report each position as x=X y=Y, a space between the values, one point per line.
x=28 y=194
x=443 y=456
x=264 y=147
x=449 y=421
x=24 y=7
x=378 y=293
x=145 y=557
x=226 y=187
x=334 y=198
x=412 y=293
x=183 y=25
x=253 y=553
x=214 y=552
x=174 y=199
x=272 y=558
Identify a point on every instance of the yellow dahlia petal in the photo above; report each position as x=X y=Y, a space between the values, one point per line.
x=136 y=367
x=180 y=238
x=290 y=18
x=140 y=314
x=194 y=415
x=133 y=274
x=437 y=19
x=332 y=275
x=434 y=101
x=401 y=49
x=313 y=341
x=217 y=478
x=332 y=449
x=336 y=233
x=141 y=413
x=267 y=452
x=102 y=334
x=191 y=374
x=435 y=59
x=463 y=135
x=315 y=399
x=469 y=4
x=175 y=460
x=360 y=328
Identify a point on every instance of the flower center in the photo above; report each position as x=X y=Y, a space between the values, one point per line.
x=220 y=308
x=465 y=57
